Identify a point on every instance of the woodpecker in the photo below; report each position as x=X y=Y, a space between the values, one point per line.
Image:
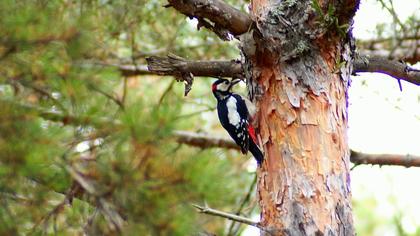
x=235 y=114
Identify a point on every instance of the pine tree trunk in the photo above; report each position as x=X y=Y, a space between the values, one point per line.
x=298 y=72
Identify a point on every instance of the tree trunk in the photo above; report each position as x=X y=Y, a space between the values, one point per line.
x=298 y=70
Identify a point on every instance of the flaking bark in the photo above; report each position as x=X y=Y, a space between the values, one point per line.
x=304 y=184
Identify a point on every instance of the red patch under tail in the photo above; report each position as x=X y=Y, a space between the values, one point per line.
x=251 y=132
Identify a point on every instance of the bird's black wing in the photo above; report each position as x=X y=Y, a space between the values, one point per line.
x=243 y=140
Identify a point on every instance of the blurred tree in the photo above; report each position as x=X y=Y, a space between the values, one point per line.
x=87 y=134
x=84 y=149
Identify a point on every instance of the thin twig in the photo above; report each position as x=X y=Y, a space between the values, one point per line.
x=125 y=90
x=392 y=12
x=236 y=218
x=166 y=92
x=109 y=96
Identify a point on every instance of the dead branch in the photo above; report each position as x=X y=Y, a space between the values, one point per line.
x=401 y=48
x=384 y=159
x=131 y=70
x=222 y=15
x=396 y=69
x=206 y=140
x=175 y=65
x=240 y=219
x=126 y=70
x=407 y=54
x=185 y=70
x=371 y=43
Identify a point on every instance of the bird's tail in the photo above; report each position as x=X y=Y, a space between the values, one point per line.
x=256 y=152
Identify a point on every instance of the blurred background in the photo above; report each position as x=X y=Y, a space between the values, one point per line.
x=87 y=134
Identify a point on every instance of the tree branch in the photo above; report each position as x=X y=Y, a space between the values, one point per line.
x=384 y=159
x=208 y=141
x=204 y=140
x=126 y=70
x=132 y=70
x=175 y=65
x=222 y=15
x=240 y=219
x=183 y=69
x=396 y=69
x=391 y=11
x=411 y=56
x=371 y=43
x=404 y=48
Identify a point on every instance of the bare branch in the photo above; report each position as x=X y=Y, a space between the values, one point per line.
x=391 y=11
x=222 y=15
x=384 y=159
x=404 y=48
x=240 y=219
x=204 y=140
x=408 y=54
x=209 y=141
x=126 y=70
x=175 y=65
x=371 y=43
x=395 y=69
x=132 y=70
x=185 y=70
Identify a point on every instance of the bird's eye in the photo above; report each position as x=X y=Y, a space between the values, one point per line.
x=226 y=82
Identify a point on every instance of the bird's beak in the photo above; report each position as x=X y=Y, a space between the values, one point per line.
x=235 y=81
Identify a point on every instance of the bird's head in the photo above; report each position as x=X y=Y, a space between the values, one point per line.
x=222 y=87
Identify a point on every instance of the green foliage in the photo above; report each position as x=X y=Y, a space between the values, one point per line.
x=80 y=145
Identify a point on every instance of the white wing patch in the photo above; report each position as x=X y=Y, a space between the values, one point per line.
x=233 y=115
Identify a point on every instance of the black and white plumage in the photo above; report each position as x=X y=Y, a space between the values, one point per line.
x=235 y=114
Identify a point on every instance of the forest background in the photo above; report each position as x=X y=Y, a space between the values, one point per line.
x=90 y=141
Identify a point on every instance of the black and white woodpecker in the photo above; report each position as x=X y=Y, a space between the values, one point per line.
x=235 y=114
